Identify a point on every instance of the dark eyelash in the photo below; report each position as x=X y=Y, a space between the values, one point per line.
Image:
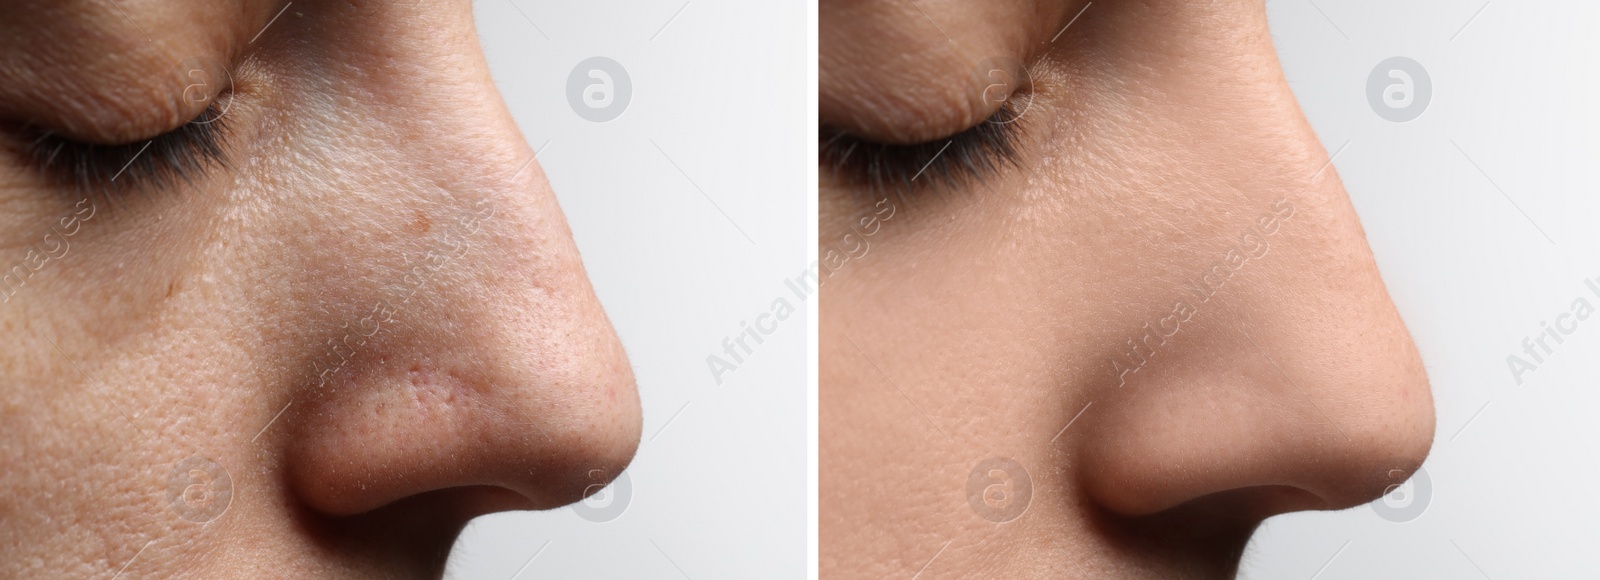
x=157 y=163
x=971 y=155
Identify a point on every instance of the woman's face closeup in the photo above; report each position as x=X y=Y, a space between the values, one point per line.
x=286 y=290
x=1096 y=303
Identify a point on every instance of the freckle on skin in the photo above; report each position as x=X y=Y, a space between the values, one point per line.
x=421 y=224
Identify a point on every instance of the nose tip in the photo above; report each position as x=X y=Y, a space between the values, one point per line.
x=1327 y=432
x=1387 y=421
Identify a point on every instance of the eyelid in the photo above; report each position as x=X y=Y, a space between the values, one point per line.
x=157 y=163
x=974 y=154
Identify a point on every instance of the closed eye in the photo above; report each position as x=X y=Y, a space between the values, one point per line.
x=161 y=162
x=974 y=154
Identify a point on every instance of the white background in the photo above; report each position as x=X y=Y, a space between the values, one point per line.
x=719 y=484
x=1513 y=492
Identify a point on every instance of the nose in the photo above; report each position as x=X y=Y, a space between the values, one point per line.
x=1281 y=379
x=505 y=377
x=448 y=340
x=1277 y=374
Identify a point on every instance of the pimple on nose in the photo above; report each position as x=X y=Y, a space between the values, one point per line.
x=431 y=387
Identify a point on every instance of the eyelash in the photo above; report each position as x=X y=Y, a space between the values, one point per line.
x=161 y=162
x=971 y=155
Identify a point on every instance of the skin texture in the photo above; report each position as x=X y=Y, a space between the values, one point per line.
x=989 y=318
x=371 y=219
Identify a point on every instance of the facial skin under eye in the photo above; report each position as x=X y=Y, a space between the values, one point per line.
x=883 y=169
x=157 y=163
